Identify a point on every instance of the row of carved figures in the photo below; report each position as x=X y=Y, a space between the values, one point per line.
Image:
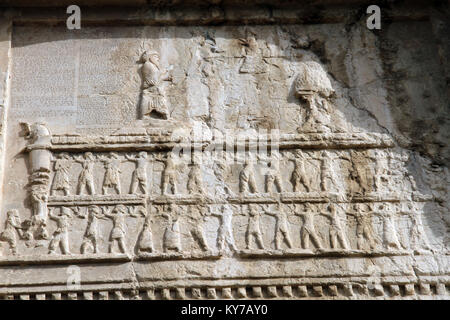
x=196 y=216
x=370 y=177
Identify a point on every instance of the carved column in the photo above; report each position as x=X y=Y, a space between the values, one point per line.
x=39 y=180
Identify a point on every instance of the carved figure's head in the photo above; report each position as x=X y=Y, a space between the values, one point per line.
x=13 y=214
x=94 y=210
x=114 y=155
x=331 y=207
x=143 y=154
x=153 y=57
x=299 y=154
x=120 y=209
x=65 y=211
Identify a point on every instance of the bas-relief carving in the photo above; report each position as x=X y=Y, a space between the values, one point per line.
x=169 y=175
x=330 y=180
x=153 y=101
x=145 y=240
x=86 y=178
x=139 y=179
x=195 y=222
x=308 y=232
x=225 y=237
x=172 y=241
x=254 y=228
x=112 y=173
x=300 y=177
x=90 y=237
x=12 y=229
x=364 y=228
x=60 y=238
x=61 y=180
x=281 y=226
x=337 y=234
x=316 y=186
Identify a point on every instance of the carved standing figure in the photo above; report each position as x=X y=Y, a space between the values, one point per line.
x=60 y=237
x=364 y=228
x=254 y=227
x=300 y=177
x=91 y=234
x=86 y=178
x=195 y=183
x=328 y=177
x=139 y=178
x=171 y=239
x=225 y=232
x=12 y=226
x=273 y=176
x=169 y=175
x=418 y=237
x=389 y=230
x=112 y=173
x=308 y=231
x=221 y=190
x=381 y=170
x=61 y=181
x=195 y=224
x=337 y=234
x=362 y=170
x=117 y=235
x=281 y=227
x=153 y=101
x=252 y=58
x=247 y=182
x=145 y=240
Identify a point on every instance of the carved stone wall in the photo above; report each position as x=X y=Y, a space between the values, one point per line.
x=224 y=153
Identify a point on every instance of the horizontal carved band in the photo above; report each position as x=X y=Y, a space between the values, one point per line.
x=412 y=290
x=285 y=141
x=209 y=255
x=287 y=197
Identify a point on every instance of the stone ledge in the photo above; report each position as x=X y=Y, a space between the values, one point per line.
x=326 y=289
x=284 y=141
x=84 y=200
x=262 y=198
x=25 y=260
x=62 y=259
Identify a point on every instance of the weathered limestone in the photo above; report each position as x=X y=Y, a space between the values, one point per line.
x=5 y=53
x=239 y=158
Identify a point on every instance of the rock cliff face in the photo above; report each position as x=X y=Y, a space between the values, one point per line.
x=212 y=151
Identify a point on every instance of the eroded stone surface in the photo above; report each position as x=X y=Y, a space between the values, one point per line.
x=232 y=161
